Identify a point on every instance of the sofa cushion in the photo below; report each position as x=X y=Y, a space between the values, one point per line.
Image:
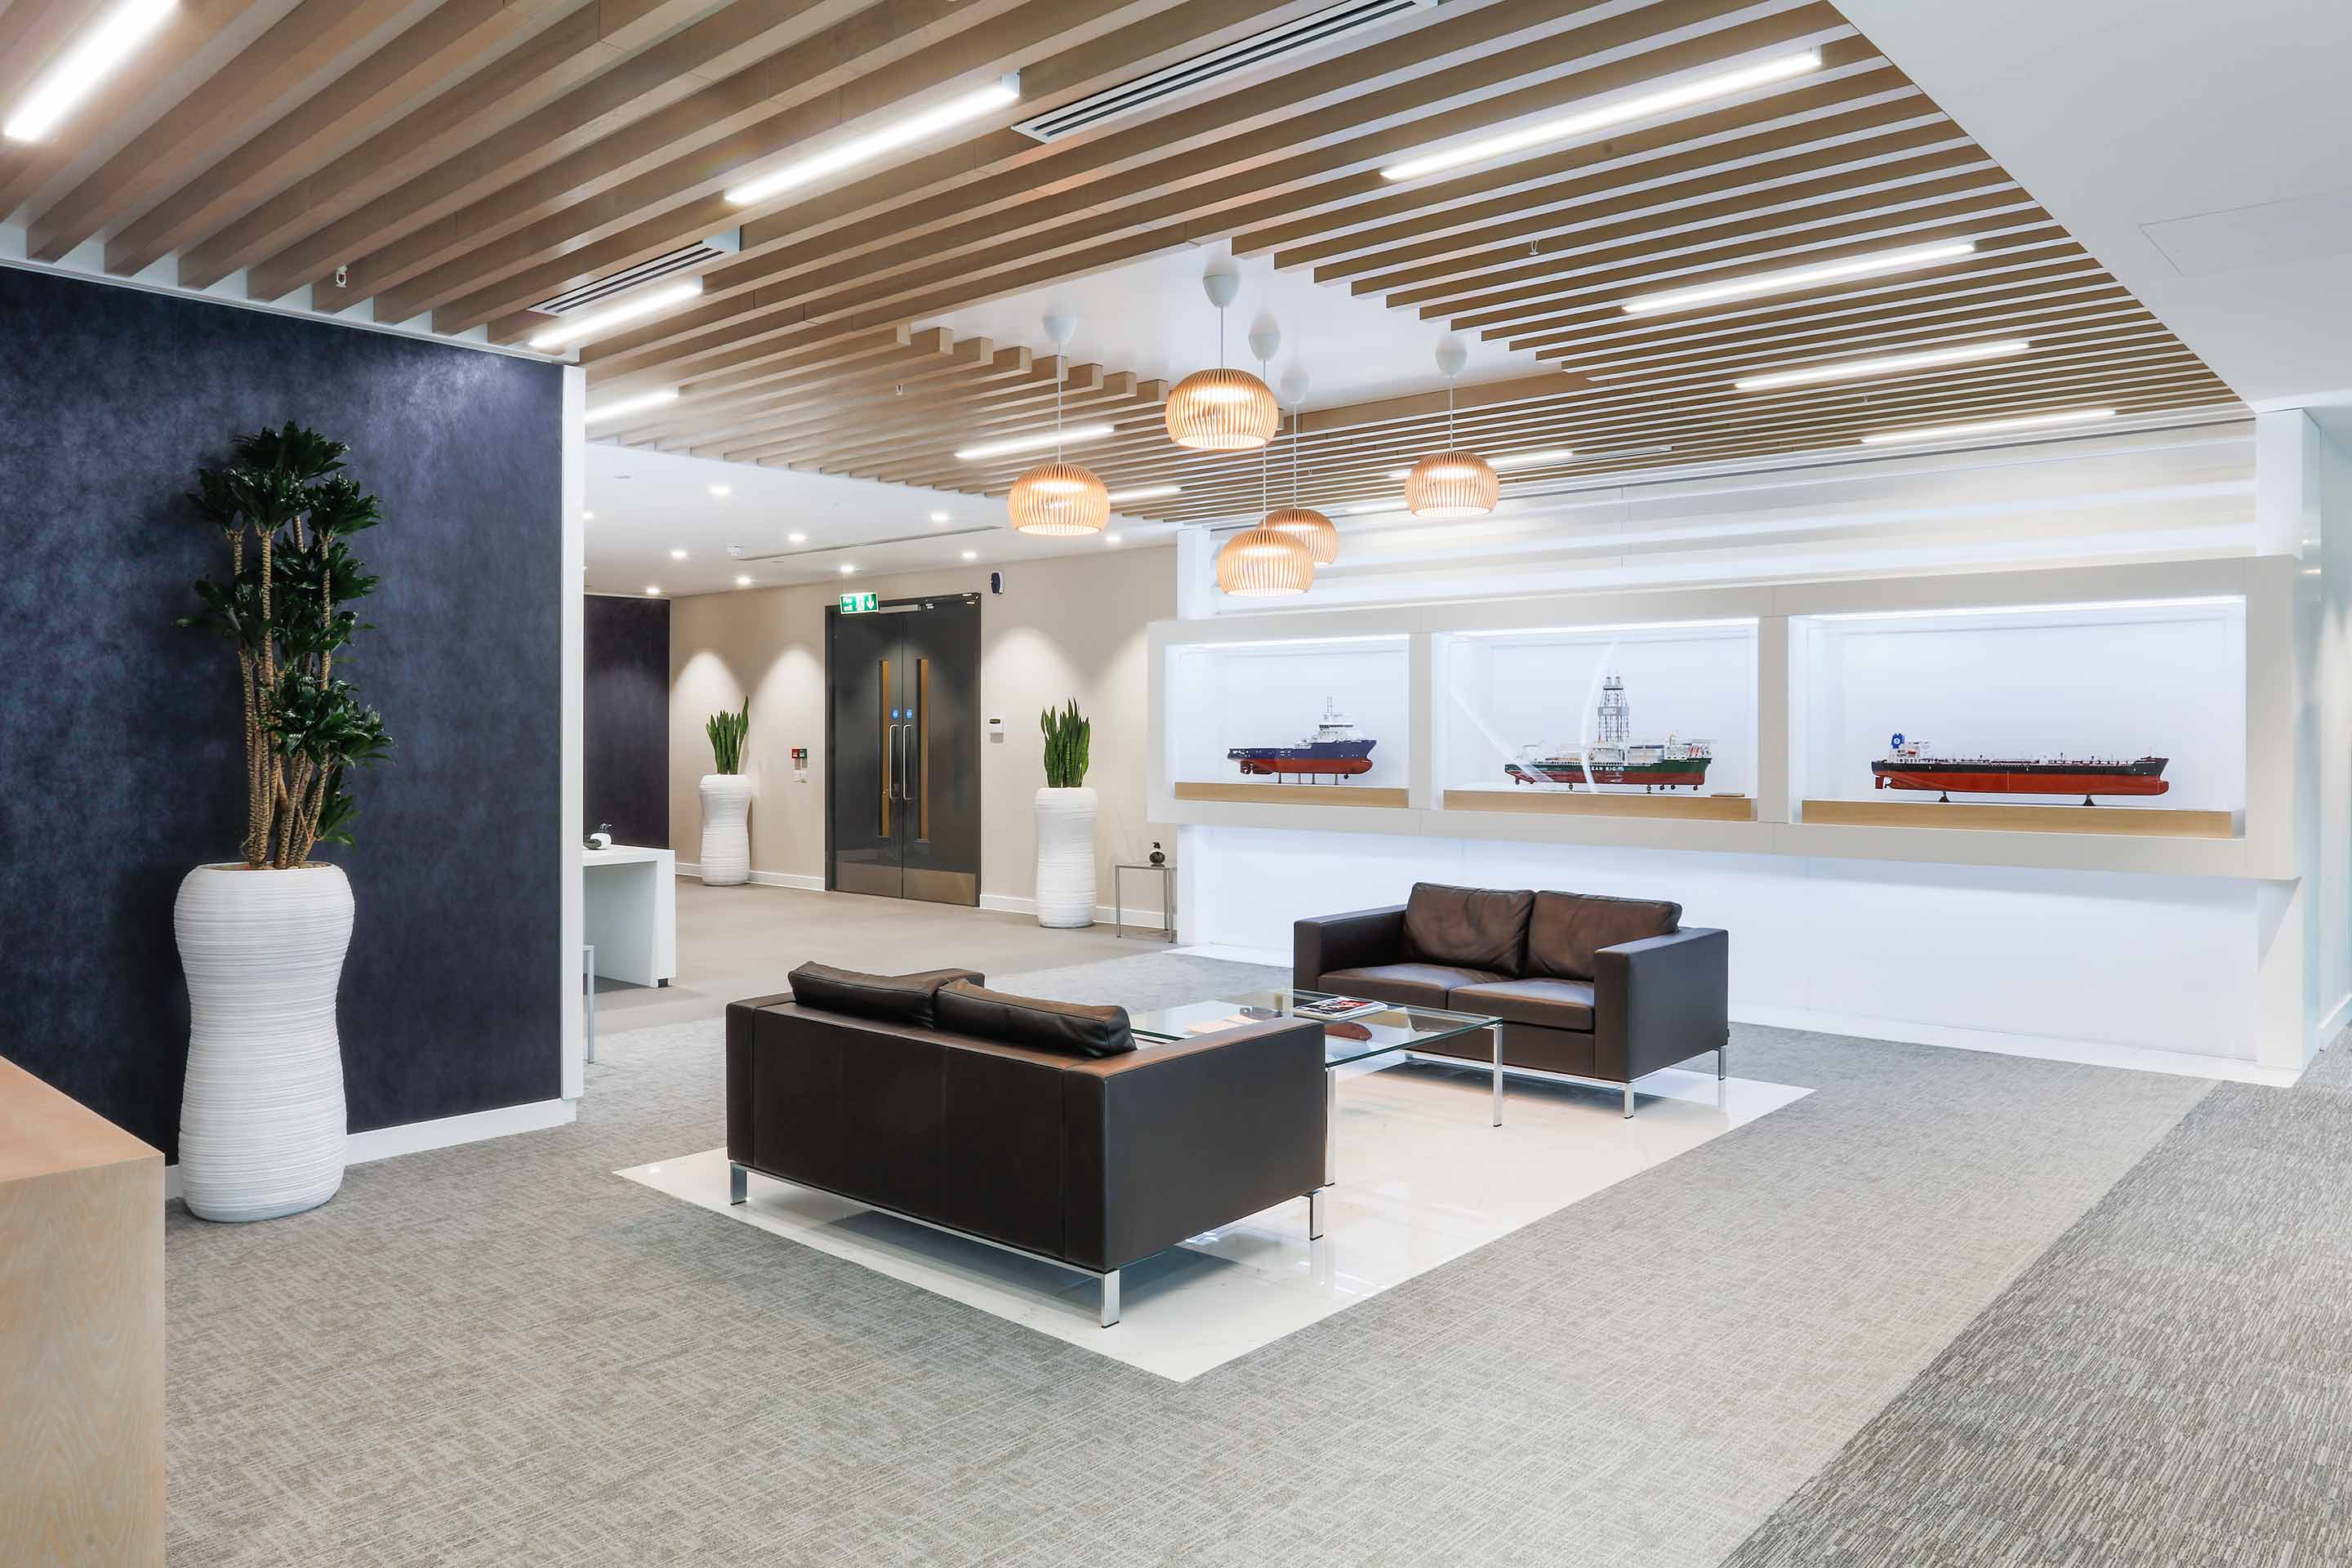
x=895 y=998
x=1567 y=929
x=1474 y=928
x=1066 y=1028
x=1552 y=1004
x=1413 y=985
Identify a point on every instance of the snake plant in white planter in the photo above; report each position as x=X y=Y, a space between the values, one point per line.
x=262 y=938
x=1065 y=822
x=727 y=801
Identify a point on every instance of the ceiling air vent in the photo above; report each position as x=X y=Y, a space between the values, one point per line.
x=601 y=289
x=1202 y=70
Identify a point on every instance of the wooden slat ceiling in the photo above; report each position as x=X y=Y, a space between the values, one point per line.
x=467 y=159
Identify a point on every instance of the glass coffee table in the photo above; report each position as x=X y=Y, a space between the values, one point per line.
x=1393 y=1027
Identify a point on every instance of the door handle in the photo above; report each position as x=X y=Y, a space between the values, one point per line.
x=905 y=744
x=888 y=731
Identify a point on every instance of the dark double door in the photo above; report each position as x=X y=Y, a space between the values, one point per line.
x=903 y=788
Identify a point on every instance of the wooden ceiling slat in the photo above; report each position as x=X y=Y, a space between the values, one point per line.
x=1285 y=141
x=522 y=114
x=292 y=61
x=685 y=196
x=150 y=83
x=1903 y=177
x=470 y=158
x=1370 y=213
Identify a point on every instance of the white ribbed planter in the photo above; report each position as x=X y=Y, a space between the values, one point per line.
x=726 y=832
x=261 y=1117
x=1066 y=857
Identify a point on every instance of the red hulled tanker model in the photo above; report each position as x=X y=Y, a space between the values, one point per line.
x=1909 y=765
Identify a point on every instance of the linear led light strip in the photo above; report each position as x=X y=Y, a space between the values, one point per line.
x=1147 y=493
x=1890 y=365
x=101 y=49
x=1034 y=442
x=942 y=117
x=1762 y=74
x=634 y=307
x=1988 y=426
x=1792 y=278
x=633 y=404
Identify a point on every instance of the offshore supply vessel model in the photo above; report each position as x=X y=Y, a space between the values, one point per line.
x=1615 y=760
x=1909 y=764
x=1333 y=752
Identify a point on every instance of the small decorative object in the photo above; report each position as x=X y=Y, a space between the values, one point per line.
x=1059 y=500
x=1452 y=483
x=1065 y=822
x=1222 y=410
x=1909 y=765
x=602 y=837
x=262 y=939
x=1615 y=759
x=1159 y=856
x=1332 y=753
x=727 y=801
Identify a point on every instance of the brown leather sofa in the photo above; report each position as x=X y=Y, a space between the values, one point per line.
x=1043 y=1128
x=1586 y=987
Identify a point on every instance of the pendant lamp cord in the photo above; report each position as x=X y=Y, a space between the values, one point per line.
x=1061 y=379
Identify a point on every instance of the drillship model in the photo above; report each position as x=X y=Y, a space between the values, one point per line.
x=1615 y=758
x=1908 y=765
x=1332 y=751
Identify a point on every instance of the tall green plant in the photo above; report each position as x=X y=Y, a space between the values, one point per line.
x=1068 y=738
x=284 y=506
x=726 y=731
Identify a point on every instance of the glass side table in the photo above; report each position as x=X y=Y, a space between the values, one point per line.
x=1167 y=873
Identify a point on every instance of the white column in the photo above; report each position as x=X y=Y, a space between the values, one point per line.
x=573 y=580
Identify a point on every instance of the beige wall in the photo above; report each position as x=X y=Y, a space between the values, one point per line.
x=1070 y=626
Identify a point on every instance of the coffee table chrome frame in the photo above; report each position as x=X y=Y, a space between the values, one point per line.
x=1722 y=1070
x=738 y=1185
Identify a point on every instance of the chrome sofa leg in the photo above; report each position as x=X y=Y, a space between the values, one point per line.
x=1629 y=1099
x=737 y=1182
x=1110 y=1299
x=1722 y=1060
x=1315 y=1214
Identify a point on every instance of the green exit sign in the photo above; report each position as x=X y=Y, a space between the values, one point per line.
x=858 y=605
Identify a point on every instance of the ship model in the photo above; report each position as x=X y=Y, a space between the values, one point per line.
x=1615 y=760
x=1909 y=765
x=1333 y=752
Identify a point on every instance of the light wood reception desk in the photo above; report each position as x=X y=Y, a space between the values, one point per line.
x=81 y=1334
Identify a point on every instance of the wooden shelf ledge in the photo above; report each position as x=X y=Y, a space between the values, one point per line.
x=1292 y=794
x=2138 y=822
x=1525 y=800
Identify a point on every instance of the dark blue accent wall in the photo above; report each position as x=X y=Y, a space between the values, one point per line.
x=625 y=717
x=118 y=732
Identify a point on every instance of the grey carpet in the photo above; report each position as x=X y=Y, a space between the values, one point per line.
x=2171 y=1383
x=502 y=1353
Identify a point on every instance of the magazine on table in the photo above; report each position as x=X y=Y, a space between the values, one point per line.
x=1332 y=1008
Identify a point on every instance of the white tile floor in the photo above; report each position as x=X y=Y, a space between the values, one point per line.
x=1423 y=1178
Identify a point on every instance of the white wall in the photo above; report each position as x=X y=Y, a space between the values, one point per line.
x=1939 y=954
x=1071 y=626
x=2243 y=967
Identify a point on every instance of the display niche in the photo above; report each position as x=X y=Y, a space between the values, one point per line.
x=1312 y=719
x=1650 y=721
x=2115 y=718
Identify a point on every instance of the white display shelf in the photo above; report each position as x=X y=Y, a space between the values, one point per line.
x=2248 y=708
